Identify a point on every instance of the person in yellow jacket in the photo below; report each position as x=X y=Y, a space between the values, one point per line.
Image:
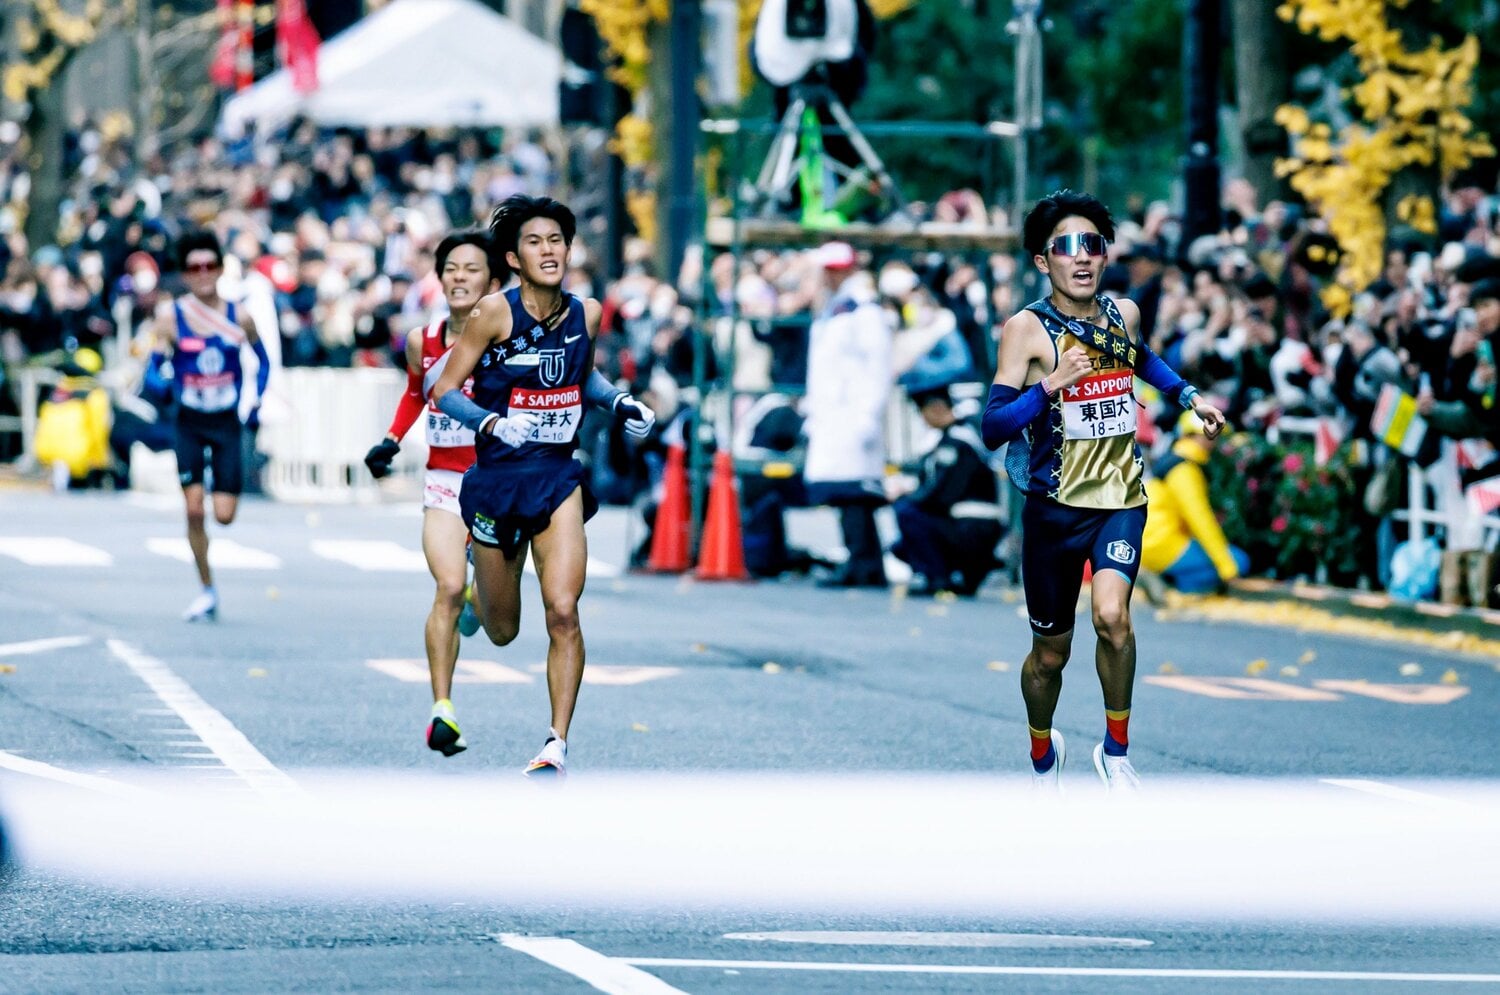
x=72 y=428
x=1183 y=542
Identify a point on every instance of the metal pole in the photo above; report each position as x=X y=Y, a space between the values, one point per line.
x=1201 y=168
x=686 y=25
x=1028 y=98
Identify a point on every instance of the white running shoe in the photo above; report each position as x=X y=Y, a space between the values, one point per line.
x=552 y=762
x=204 y=606
x=1116 y=772
x=1051 y=780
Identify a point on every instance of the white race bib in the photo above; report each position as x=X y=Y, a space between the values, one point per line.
x=209 y=393
x=444 y=431
x=561 y=409
x=1100 y=406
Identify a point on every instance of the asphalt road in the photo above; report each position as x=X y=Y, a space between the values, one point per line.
x=314 y=673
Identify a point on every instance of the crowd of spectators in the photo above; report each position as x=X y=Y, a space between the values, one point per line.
x=339 y=228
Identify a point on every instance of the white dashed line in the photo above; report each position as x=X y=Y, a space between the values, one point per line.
x=1066 y=972
x=208 y=723
x=42 y=645
x=607 y=974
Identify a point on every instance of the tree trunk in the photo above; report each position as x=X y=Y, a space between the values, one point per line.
x=46 y=128
x=1262 y=83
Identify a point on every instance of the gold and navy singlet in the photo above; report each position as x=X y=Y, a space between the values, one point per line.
x=1083 y=449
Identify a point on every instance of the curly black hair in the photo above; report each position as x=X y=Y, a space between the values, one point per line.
x=1040 y=221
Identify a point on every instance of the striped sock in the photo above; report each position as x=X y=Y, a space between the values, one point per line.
x=1043 y=756
x=1117 y=732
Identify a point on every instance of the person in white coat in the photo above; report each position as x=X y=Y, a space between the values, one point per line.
x=848 y=387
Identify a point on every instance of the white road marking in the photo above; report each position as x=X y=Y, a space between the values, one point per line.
x=614 y=675
x=225 y=553
x=217 y=732
x=372 y=555
x=882 y=938
x=53 y=551
x=42 y=645
x=1067 y=972
x=93 y=782
x=467 y=672
x=485 y=672
x=607 y=974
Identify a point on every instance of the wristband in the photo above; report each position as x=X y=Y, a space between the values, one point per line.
x=1187 y=397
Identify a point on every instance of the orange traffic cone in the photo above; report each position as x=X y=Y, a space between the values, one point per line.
x=669 y=535
x=721 y=555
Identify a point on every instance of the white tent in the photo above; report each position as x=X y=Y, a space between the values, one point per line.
x=420 y=63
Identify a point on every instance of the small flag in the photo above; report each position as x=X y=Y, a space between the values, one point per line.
x=1326 y=440
x=1396 y=422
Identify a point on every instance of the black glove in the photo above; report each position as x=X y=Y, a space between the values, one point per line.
x=378 y=459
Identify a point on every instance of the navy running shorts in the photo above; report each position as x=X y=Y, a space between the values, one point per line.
x=504 y=506
x=1057 y=540
x=219 y=435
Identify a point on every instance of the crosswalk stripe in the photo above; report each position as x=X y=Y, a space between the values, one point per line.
x=222 y=553
x=467 y=672
x=618 y=676
x=53 y=551
x=379 y=554
x=42 y=645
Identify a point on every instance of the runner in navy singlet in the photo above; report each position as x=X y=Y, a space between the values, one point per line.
x=530 y=352
x=201 y=335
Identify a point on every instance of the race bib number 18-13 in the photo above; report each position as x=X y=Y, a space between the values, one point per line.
x=561 y=409
x=1100 y=406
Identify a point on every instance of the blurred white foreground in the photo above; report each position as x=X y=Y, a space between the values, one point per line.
x=1256 y=849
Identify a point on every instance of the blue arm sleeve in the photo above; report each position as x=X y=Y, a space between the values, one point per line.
x=1009 y=411
x=599 y=392
x=1155 y=371
x=458 y=405
x=262 y=369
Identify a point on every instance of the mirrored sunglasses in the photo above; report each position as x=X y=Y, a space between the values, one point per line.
x=1068 y=245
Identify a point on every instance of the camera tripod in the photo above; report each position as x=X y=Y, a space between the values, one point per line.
x=794 y=152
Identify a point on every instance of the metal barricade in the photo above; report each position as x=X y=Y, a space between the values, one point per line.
x=316 y=451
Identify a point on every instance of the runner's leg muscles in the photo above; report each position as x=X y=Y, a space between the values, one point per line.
x=497 y=592
x=197 y=536
x=1041 y=677
x=561 y=566
x=1114 y=653
x=443 y=543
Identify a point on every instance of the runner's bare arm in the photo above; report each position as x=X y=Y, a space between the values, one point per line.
x=1155 y=371
x=488 y=323
x=164 y=328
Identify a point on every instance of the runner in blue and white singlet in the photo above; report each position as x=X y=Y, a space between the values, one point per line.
x=530 y=352
x=201 y=335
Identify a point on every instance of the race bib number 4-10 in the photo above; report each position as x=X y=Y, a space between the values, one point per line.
x=561 y=409
x=1100 y=406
